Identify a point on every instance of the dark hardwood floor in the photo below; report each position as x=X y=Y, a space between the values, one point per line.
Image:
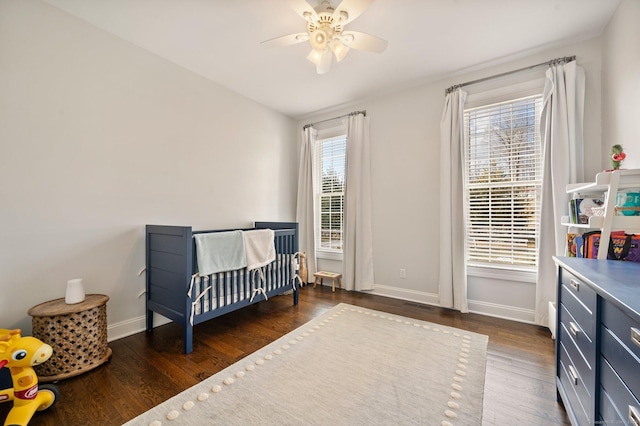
x=148 y=368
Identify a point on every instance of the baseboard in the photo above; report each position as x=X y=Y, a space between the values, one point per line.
x=133 y=326
x=502 y=311
x=404 y=294
x=475 y=306
x=136 y=325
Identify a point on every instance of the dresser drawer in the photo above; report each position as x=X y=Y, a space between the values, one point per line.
x=579 y=398
x=582 y=314
x=584 y=369
x=624 y=327
x=621 y=359
x=585 y=294
x=616 y=398
x=571 y=329
x=609 y=415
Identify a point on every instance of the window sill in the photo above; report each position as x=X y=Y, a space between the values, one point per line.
x=502 y=274
x=329 y=255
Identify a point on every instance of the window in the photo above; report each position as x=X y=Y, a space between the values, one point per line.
x=329 y=160
x=503 y=183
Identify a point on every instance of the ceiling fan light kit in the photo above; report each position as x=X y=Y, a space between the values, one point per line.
x=325 y=32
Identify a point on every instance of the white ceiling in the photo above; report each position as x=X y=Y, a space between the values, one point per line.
x=428 y=40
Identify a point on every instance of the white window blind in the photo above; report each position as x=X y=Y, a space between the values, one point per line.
x=330 y=180
x=503 y=182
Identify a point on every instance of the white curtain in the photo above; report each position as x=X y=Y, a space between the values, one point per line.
x=358 y=240
x=305 y=211
x=453 y=267
x=561 y=132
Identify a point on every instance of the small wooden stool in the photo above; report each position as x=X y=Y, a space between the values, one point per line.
x=331 y=275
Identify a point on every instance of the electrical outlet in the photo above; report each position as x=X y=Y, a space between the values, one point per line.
x=403 y=273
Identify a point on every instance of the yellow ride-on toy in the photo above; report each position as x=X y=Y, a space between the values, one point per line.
x=19 y=354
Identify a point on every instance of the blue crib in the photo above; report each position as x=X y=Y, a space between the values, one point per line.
x=176 y=293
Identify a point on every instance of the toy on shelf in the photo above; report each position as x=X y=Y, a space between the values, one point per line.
x=19 y=354
x=617 y=156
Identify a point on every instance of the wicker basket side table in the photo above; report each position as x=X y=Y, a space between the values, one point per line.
x=77 y=333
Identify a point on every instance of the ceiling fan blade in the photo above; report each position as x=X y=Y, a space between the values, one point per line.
x=324 y=65
x=286 y=40
x=364 y=41
x=304 y=9
x=352 y=8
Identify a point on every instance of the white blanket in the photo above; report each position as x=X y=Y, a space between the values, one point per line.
x=259 y=247
x=220 y=251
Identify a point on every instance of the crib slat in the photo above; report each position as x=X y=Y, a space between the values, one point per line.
x=218 y=290
x=245 y=285
x=235 y=286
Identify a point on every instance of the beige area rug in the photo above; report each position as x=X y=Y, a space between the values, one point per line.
x=350 y=366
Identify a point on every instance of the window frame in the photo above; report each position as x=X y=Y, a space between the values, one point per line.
x=487 y=99
x=327 y=137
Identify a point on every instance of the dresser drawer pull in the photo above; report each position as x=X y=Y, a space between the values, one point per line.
x=634 y=416
x=575 y=284
x=573 y=375
x=635 y=336
x=573 y=328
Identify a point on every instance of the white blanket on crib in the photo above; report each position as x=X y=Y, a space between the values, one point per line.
x=259 y=248
x=220 y=251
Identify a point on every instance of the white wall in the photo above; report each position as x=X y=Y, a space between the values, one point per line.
x=621 y=84
x=405 y=138
x=98 y=138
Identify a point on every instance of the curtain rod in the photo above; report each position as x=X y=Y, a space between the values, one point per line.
x=480 y=80
x=364 y=112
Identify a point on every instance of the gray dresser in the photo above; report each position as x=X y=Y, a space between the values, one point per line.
x=598 y=341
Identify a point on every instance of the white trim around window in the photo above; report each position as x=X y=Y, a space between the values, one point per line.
x=329 y=255
x=497 y=273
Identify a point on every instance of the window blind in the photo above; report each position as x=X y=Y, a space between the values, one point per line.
x=503 y=183
x=330 y=180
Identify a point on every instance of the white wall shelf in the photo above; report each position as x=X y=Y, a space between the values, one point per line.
x=608 y=183
x=595 y=222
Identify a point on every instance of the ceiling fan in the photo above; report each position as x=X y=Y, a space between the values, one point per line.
x=325 y=32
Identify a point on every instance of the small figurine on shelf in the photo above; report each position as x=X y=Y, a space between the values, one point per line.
x=617 y=156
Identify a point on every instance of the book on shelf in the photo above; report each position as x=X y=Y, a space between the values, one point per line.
x=572 y=246
x=581 y=208
x=573 y=216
